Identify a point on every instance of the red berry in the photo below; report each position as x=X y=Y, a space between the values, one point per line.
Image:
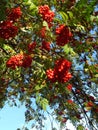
x=8 y=30
x=27 y=60
x=64 y=120
x=60 y=112
x=91 y=98
x=46 y=45
x=60 y=72
x=63 y=35
x=31 y=47
x=14 y=13
x=47 y=14
x=90 y=104
x=43 y=32
x=70 y=101
x=19 y=60
x=96 y=109
x=69 y=87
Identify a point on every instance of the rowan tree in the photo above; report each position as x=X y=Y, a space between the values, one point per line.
x=49 y=59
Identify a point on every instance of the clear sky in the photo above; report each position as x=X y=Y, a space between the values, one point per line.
x=12 y=118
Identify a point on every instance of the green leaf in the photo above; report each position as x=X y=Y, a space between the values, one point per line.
x=80 y=27
x=8 y=49
x=45 y=24
x=64 y=16
x=96 y=75
x=80 y=127
x=44 y=104
x=38 y=87
x=2 y=10
x=32 y=7
x=70 y=14
x=27 y=2
x=38 y=98
x=68 y=50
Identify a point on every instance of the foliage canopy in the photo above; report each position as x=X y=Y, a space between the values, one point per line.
x=49 y=58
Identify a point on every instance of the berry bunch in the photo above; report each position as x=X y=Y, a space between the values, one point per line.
x=63 y=35
x=47 y=14
x=31 y=47
x=42 y=32
x=14 y=14
x=46 y=45
x=27 y=60
x=60 y=72
x=8 y=30
x=7 y=27
x=19 y=60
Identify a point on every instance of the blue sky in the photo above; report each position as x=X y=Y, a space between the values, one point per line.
x=12 y=118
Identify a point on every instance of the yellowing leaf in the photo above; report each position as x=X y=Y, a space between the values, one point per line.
x=8 y=49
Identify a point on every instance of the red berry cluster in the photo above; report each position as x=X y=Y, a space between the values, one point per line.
x=43 y=32
x=50 y=74
x=27 y=60
x=7 y=27
x=63 y=35
x=46 y=45
x=43 y=9
x=14 y=13
x=31 y=47
x=8 y=30
x=47 y=14
x=19 y=60
x=60 y=72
